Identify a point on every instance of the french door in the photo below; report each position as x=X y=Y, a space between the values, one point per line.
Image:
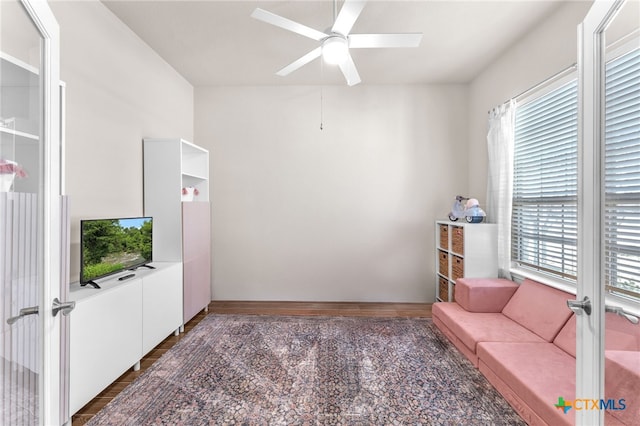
x=30 y=215
x=607 y=211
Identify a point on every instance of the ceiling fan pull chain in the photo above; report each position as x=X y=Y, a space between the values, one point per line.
x=321 y=115
x=321 y=94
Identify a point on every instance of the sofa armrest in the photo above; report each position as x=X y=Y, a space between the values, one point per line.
x=484 y=294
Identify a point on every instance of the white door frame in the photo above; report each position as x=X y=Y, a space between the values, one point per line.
x=49 y=245
x=590 y=328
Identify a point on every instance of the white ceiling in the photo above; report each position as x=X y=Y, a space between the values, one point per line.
x=216 y=42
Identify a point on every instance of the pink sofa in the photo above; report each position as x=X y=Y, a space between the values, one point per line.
x=523 y=339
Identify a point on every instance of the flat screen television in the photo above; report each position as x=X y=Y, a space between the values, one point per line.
x=109 y=246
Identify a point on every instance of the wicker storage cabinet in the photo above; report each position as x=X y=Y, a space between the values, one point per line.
x=457 y=239
x=443 y=262
x=457 y=267
x=463 y=250
x=443 y=288
x=444 y=235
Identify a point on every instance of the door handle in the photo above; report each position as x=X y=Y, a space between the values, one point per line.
x=23 y=313
x=579 y=306
x=621 y=312
x=65 y=307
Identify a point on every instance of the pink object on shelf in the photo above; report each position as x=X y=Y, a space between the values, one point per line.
x=9 y=170
x=189 y=193
x=11 y=167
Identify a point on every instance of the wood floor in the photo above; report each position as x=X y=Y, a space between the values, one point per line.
x=386 y=310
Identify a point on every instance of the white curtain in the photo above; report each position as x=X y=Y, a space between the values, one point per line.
x=500 y=141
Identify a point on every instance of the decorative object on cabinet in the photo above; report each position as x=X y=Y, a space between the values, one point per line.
x=463 y=250
x=9 y=170
x=469 y=210
x=189 y=193
x=181 y=223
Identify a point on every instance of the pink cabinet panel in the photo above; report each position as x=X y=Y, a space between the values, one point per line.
x=196 y=257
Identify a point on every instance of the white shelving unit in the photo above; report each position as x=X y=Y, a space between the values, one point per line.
x=113 y=327
x=464 y=250
x=182 y=228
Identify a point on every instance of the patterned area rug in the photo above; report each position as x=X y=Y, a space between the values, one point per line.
x=264 y=370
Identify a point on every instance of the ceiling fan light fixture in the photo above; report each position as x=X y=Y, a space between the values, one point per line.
x=336 y=42
x=335 y=50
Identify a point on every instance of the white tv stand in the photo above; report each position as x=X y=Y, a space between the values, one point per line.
x=113 y=327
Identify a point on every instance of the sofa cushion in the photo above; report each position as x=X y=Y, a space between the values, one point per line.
x=622 y=364
x=547 y=374
x=566 y=338
x=620 y=335
x=622 y=381
x=471 y=356
x=539 y=308
x=484 y=294
x=474 y=327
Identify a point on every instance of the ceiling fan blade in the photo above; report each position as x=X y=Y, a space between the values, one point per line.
x=287 y=24
x=315 y=53
x=359 y=41
x=350 y=72
x=347 y=17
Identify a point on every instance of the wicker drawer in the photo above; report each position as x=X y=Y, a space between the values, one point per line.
x=443 y=263
x=444 y=237
x=457 y=239
x=443 y=291
x=457 y=267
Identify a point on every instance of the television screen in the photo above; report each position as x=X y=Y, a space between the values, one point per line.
x=108 y=246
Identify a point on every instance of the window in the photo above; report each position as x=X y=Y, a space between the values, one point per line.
x=622 y=175
x=544 y=212
x=544 y=218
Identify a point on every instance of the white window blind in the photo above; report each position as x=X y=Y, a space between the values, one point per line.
x=622 y=175
x=544 y=215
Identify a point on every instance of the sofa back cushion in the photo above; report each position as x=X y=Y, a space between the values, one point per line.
x=620 y=335
x=539 y=308
x=566 y=338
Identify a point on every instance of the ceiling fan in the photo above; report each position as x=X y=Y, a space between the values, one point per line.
x=336 y=42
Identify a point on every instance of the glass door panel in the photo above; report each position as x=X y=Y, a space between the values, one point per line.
x=21 y=216
x=607 y=331
x=621 y=214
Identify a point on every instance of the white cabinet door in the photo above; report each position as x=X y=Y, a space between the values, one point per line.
x=161 y=304
x=106 y=339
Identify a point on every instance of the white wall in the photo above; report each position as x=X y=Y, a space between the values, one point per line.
x=298 y=214
x=342 y=214
x=543 y=52
x=118 y=91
